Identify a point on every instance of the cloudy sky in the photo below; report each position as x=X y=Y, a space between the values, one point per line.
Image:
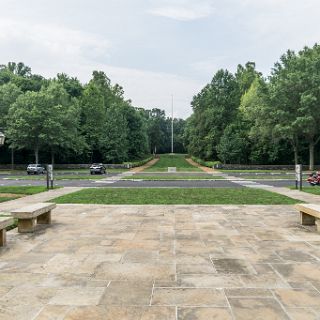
x=154 y=48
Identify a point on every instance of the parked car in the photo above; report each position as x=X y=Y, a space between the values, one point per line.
x=97 y=168
x=36 y=169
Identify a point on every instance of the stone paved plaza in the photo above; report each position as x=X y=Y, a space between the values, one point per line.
x=163 y=262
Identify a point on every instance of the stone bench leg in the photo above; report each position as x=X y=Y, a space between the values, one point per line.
x=306 y=219
x=318 y=224
x=26 y=225
x=45 y=218
x=3 y=237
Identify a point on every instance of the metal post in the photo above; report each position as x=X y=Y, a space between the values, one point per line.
x=48 y=178
x=299 y=176
x=50 y=175
x=172 y=124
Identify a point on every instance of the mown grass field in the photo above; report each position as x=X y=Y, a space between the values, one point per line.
x=171 y=177
x=313 y=190
x=22 y=190
x=157 y=196
x=175 y=160
x=15 y=192
x=58 y=177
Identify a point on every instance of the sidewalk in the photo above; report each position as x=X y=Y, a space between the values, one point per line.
x=203 y=168
x=295 y=194
x=146 y=166
x=39 y=197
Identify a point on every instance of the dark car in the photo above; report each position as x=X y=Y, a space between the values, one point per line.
x=97 y=168
x=36 y=169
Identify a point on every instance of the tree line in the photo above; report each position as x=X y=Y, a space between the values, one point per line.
x=63 y=120
x=251 y=119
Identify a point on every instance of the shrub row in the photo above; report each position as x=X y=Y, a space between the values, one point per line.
x=210 y=164
x=139 y=163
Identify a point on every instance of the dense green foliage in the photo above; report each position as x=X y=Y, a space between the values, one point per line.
x=175 y=196
x=246 y=118
x=63 y=120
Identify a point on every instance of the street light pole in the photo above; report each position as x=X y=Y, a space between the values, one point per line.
x=172 y=124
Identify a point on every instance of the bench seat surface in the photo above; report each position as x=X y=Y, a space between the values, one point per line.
x=5 y=222
x=311 y=209
x=33 y=210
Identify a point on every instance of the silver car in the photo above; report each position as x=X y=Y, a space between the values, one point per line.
x=36 y=169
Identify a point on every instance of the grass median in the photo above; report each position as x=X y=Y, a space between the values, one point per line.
x=22 y=190
x=58 y=177
x=15 y=192
x=157 y=196
x=170 y=177
x=313 y=190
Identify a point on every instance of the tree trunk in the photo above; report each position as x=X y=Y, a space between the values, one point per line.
x=296 y=156
x=52 y=157
x=12 y=159
x=36 y=155
x=311 y=156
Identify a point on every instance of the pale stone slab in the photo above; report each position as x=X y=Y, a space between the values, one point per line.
x=204 y=313
x=116 y=260
x=77 y=296
x=257 y=308
x=126 y=293
x=122 y=312
x=298 y=297
x=188 y=297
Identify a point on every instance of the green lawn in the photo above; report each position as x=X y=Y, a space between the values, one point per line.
x=258 y=171
x=171 y=177
x=176 y=160
x=4 y=199
x=314 y=190
x=28 y=190
x=157 y=196
x=59 y=177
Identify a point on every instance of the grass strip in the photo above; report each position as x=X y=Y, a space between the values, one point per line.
x=4 y=199
x=58 y=177
x=171 y=177
x=25 y=190
x=313 y=190
x=167 y=196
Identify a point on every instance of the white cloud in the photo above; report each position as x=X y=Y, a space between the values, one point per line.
x=184 y=10
x=49 y=50
x=21 y=40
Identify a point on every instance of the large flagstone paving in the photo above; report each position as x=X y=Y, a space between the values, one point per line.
x=163 y=262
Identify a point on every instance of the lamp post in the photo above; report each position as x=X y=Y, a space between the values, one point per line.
x=2 y=138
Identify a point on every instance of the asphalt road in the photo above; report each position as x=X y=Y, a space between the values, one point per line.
x=147 y=184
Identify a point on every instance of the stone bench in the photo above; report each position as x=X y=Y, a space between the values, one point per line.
x=4 y=223
x=28 y=217
x=309 y=214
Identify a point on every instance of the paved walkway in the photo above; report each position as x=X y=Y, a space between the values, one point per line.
x=203 y=168
x=163 y=262
x=39 y=197
x=144 y=167
x=295 y=194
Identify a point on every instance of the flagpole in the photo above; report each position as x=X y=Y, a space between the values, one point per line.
x=172 y=124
